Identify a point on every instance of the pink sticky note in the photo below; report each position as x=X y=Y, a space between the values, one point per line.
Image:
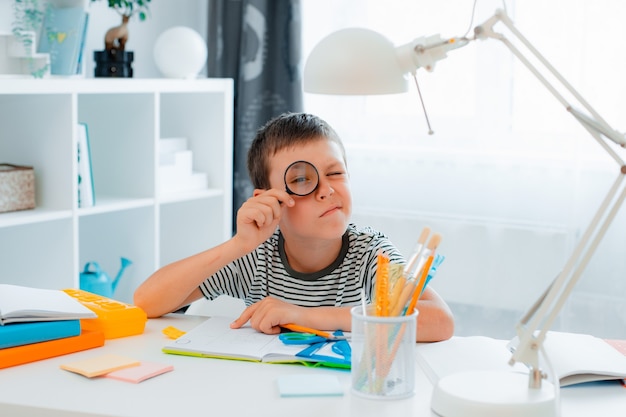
x=144 y=371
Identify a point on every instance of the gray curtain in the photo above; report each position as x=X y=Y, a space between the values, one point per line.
x=257 y=43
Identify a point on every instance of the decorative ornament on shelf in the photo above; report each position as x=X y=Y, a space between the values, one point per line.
x=180 y=52
x=114 y=60
x=18 y=51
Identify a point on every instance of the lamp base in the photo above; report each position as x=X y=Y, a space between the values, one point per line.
x=491 y=394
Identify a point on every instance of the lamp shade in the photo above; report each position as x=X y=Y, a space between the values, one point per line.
x=354 y=61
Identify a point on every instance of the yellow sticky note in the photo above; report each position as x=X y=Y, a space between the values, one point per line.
x=100 y=365
x=172 y=332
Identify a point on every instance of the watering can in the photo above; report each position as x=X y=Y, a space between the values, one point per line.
x=96 y=281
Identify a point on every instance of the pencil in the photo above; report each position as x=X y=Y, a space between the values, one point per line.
x=419 y=287
x=302 y=329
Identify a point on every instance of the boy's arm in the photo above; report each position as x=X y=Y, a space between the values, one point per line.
x=434 y=321
x=176 y=285
x=270 y=313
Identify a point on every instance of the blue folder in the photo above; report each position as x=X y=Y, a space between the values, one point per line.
x=18 y=334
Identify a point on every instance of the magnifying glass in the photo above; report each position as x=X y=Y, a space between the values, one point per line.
x=301 y=178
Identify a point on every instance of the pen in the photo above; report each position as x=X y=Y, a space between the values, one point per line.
x=302 y=329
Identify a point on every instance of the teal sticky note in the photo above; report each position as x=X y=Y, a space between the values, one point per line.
x=309 y=385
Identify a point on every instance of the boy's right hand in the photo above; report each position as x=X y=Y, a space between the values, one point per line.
x=258 y=217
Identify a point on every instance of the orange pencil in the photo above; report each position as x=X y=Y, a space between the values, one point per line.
x=301 y=329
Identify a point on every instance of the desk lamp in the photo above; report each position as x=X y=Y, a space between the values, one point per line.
x=360 y=61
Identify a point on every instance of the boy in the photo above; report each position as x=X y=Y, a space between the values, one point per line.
x=295 y=257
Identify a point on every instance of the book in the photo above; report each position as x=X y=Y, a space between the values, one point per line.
x=20 y=355
x=86 y=193
x=215 y=339
x=81 y=50
x=62 y=36
x=575 y=358
x=18 y=334
x=25 y=304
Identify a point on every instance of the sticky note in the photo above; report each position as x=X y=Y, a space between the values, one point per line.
x=172 y=332
x=309 y=385
x=100 y=365
x=143 y=371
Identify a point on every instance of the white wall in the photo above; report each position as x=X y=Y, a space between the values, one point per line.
x=163 y=15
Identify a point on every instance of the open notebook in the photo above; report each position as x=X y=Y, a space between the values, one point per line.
x=575 y=358
x=25 y=304
x=215 y=339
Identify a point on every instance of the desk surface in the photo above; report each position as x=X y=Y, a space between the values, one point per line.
x=200 y=386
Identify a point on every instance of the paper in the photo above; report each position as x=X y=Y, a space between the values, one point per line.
x=306 y=385
x=143 y=371
x=100 y=365
x=575 y=358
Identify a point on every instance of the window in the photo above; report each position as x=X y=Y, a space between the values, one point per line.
x=509 y=177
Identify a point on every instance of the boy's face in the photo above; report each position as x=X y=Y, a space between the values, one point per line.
x=325 y=213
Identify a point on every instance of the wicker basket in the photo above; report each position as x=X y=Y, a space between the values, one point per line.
x=17 y=188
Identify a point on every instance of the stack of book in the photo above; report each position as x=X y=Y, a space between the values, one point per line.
x=38 y=324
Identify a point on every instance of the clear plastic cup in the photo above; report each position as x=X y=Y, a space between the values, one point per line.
x=383 y=355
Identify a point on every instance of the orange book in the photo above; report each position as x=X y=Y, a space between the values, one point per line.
x=37 y=351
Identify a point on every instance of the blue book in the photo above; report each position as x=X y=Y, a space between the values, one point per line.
x=62 y=37
x=81 y=50
x=18 y=334
x=86 y=193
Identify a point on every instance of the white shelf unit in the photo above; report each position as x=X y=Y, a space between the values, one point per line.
x=48 y=246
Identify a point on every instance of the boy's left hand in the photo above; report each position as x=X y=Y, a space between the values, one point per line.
x=268 y=315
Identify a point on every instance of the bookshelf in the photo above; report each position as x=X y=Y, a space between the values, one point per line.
x=47 y=247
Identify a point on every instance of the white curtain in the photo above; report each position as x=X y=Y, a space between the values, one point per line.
x=509 y=178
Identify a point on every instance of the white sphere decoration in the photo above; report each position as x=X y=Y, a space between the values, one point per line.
x=180 y=52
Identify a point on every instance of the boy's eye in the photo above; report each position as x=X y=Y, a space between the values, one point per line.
x=300 y=180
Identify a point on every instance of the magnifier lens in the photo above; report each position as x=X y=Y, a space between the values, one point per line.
x=301 y=178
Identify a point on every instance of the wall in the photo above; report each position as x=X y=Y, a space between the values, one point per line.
x=163 y=15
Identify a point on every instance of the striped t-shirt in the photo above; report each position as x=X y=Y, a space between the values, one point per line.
x=266 y=272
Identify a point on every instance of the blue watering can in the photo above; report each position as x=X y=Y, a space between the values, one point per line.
x=98 y=282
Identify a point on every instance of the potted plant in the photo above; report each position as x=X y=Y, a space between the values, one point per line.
x=115 y=61
x=27 y=19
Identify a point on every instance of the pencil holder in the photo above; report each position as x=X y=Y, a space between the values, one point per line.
x=383 y=355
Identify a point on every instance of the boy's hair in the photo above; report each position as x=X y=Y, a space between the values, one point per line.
x=285 y=131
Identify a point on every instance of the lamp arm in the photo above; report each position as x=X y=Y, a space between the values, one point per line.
x=535 y=323
x=425 y=51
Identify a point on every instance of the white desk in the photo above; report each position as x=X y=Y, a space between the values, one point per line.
x=214 y=387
